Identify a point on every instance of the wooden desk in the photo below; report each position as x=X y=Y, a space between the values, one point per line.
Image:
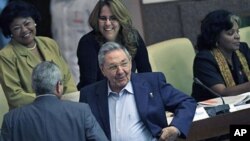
x=216 y=126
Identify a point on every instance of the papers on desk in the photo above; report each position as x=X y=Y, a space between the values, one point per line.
x=200 y=113
x=236 y=103
x=231 y=100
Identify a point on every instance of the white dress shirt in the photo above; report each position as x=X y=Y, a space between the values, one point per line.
x=125 y=122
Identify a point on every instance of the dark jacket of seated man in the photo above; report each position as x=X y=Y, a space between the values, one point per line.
x=132 y=106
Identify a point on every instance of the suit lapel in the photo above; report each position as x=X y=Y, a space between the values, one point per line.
x=23 y=54
x=45 y=52
x=141 y=92
x=102 y=104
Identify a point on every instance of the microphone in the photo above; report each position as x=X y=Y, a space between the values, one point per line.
x=216 y=110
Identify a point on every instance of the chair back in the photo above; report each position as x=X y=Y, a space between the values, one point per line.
x=245 y=35
x=175 y=59
x=4 y=108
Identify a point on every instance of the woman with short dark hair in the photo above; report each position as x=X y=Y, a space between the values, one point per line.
x=222 y=62
x=18 y=20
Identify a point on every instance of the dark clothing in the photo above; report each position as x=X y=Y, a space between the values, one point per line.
x=87 y=54
x=51 y=119
x=153 y=97
x=207 y=71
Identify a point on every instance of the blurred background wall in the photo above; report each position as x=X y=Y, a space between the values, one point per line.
x=163 y=20
x=181 y=18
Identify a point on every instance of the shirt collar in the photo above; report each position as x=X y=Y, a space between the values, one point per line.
x=128 y=88
x=45 y=95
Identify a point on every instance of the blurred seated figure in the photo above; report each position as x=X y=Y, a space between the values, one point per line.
x=18 y=20
x=48 y=118
x=222 y=62
x=69 y=23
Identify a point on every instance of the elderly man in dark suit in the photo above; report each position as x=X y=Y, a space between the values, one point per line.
x=48 y=118
x=131 y=107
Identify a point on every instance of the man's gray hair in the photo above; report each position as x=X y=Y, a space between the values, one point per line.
x=108 y=47
x=45 y=77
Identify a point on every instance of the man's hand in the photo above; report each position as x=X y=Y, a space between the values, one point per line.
x=169 y=134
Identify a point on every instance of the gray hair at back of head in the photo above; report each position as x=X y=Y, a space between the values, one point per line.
x=45 y=77
x=109 y=47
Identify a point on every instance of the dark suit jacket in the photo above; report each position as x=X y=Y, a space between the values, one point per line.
x=151 y=107
x=87 y=53
x=51 y=119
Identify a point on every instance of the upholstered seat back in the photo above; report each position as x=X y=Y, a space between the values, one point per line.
x=3 y=105
x=245 y=35
x=175 y=59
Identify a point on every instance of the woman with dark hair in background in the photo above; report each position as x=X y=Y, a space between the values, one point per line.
x=18 y=20
x=222 y=62
x=110 y=21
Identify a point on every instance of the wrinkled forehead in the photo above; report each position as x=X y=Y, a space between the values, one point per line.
x=115 y=56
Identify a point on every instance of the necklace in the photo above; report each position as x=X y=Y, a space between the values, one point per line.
x=32 y=47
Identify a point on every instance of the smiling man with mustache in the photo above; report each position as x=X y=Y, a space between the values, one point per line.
x=131 y=106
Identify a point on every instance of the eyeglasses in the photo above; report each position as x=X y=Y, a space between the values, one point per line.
x=105 y=19
x=114 y=67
